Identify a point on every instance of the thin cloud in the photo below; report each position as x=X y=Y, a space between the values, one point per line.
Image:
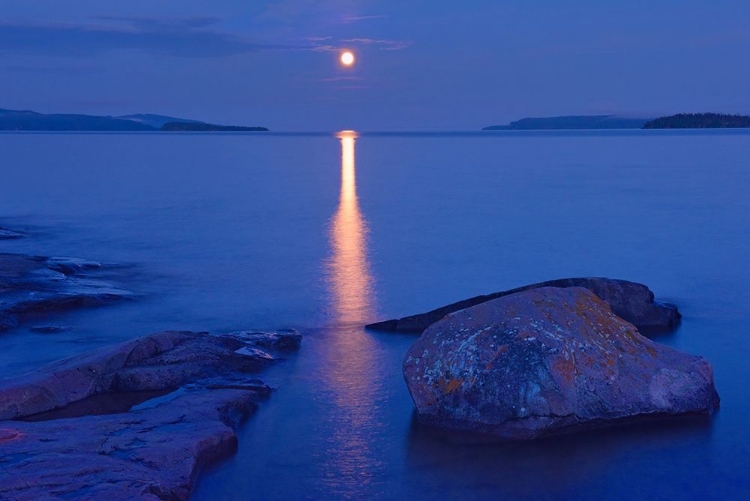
x=353 y=87
x=163 y=22
x=185 y=37
x=341 y=79
x=382 y=44
x=53 y=70
x=324 y=48
x=353 y=19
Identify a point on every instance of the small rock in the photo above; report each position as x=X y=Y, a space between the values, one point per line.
x=71 y=265
x=282 y=340
x=6 y=234
x=48 y=329
x=249 y=351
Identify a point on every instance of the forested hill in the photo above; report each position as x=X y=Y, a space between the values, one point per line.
x=204 y=127
x=25 y=120
x=699 y=121
x=573 y=122
x=32 y=121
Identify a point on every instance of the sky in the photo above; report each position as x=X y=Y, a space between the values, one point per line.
x=421 y=64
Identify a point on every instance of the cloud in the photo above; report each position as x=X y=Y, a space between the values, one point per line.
x=353 y=18
x=53 y=70
x=341 y=79
x=332 y=45
x=185 y=37
x=163 y=22
x=382 y=44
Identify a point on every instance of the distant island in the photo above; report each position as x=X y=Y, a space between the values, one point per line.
x=699 y=121
x=204 y=127
x=25 y=120
x=573 y=122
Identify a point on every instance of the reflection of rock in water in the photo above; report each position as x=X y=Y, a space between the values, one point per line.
x=460 y=464
x=350 y=279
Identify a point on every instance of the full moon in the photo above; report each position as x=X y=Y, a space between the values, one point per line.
x=347 y=58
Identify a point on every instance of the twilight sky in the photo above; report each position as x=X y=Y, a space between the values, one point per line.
x=422 y=64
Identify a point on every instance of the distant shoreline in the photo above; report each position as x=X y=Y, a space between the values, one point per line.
x=30 y=121
x=699 y=121
x=613 y=122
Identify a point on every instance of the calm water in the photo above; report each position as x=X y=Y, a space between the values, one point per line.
x=326 y=233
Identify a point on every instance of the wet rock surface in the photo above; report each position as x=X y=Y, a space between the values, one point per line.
x=49 y=329
x=35 y=286
x=630 y=301
x=282 y=340
x=205 y=386
x=547 y=361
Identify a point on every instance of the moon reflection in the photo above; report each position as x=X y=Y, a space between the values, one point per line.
x=350 y=279
x=353 y=374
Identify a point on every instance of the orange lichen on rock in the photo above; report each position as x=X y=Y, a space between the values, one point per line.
x=562 y=360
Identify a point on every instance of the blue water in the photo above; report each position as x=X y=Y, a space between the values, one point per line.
x=324 y=234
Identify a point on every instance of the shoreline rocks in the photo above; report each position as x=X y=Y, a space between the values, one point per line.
x=35 y=286
x=205 y=386
x=546 y=361
x=630 y=301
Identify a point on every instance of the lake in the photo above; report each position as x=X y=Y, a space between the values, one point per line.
x=327 y=232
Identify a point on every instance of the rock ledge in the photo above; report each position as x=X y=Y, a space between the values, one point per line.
x=207 y=387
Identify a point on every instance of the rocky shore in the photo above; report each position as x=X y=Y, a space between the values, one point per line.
x=32 y=287
x=138 y=420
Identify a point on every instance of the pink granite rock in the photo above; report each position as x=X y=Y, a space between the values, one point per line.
x=546 y=361
x=138 y=420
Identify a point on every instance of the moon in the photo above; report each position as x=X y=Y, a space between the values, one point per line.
x=347 y=58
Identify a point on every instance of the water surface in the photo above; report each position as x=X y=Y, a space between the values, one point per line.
x=325 y=233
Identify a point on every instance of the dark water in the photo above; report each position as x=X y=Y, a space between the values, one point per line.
x=325 y=234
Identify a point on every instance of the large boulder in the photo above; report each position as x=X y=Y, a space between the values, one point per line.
x=547 y=361
x=631 y=301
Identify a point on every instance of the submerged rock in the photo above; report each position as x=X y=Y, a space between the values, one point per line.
x=71 y=265
x=281 y=340
x=630 y=301
x=48 y=329
x=547 y=361
x=6 y=234
x=154 y=451
x=35 y=286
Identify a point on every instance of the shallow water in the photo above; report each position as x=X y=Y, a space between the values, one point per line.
x=325 y=233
